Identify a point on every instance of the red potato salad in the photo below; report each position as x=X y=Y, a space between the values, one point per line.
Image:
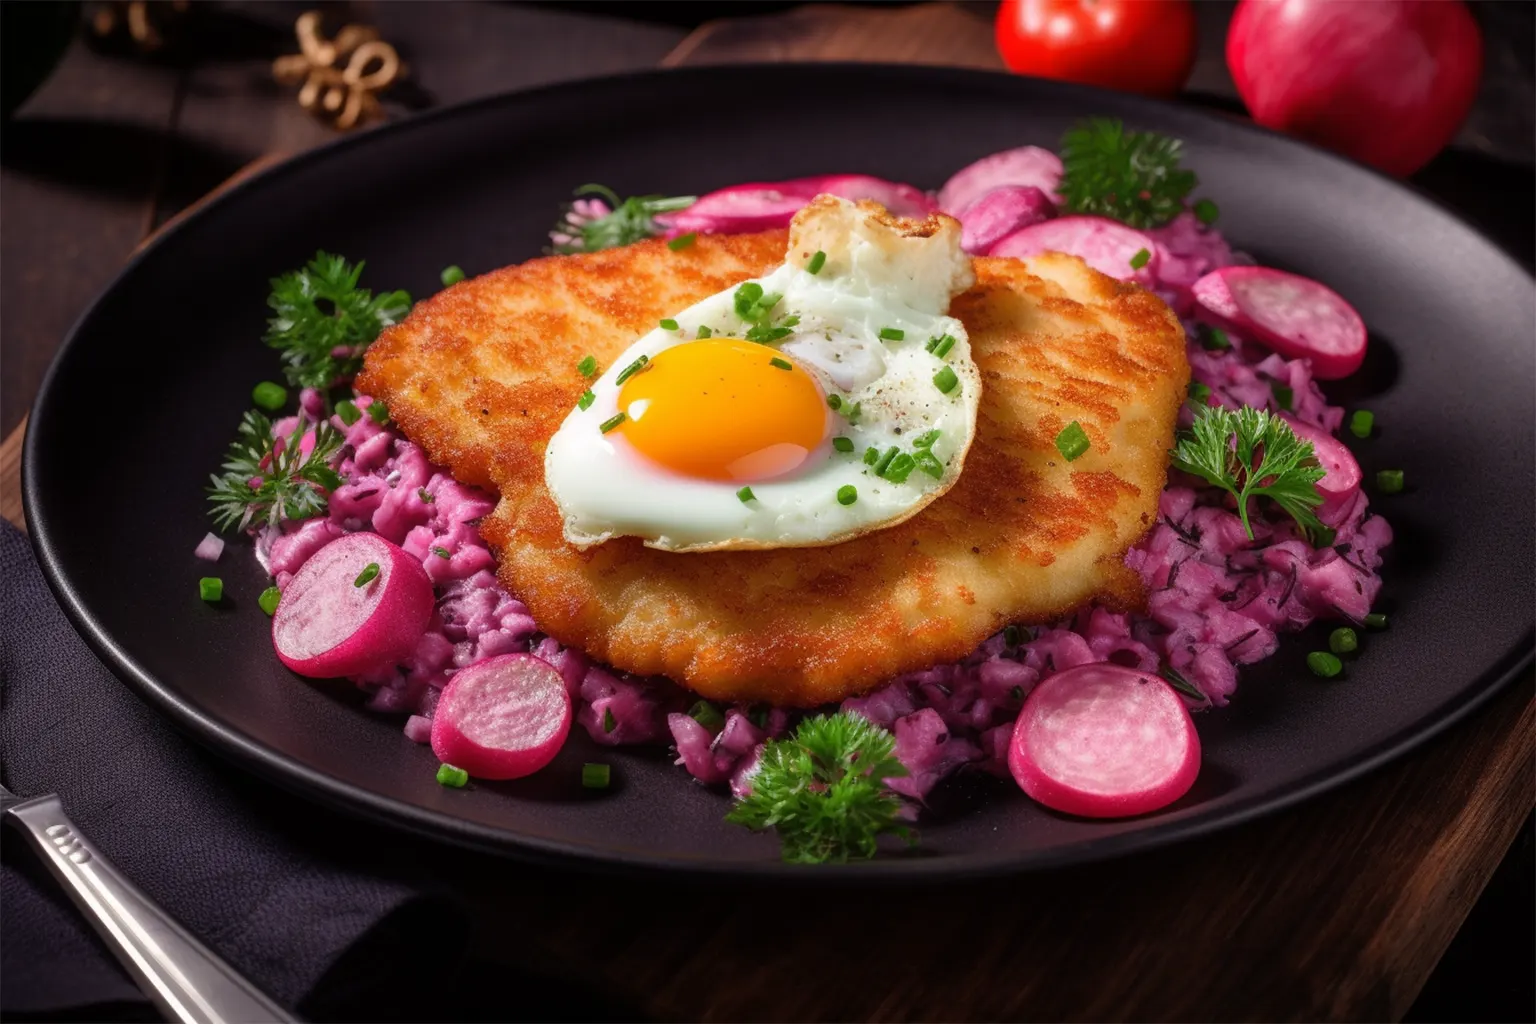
x=381 y=576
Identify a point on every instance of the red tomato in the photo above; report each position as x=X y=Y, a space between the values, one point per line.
x=1387 y=82
x=1145 y=46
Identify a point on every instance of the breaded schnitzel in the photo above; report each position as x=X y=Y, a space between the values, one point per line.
x=482 y=374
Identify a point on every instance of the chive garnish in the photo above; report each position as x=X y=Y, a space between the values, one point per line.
x=1343 y=641
x=1324 y=664
x=871 y=456
x=442 y=553
x=835 y=402
x=1199 y=393
x=817 y=262
x=929 y=463
x=780 y=364
x=847 y=494
x=1284 y=396
x=597 y=776
x=927 y=439
x=1141 y=259
x=669 y=324
x=632 y=369
x=348 y=411
x=682 y=242
x=451 y=275
x=704 y=332
x=368 y=575
x=1375 y=620
x=210 y=589
x=1215 y=339
x=946 y=380
x=946 y=343
x=609 y=722
x=1011 y=636
x=611 y=422
x=843 y=444
x=900 y=468
x=378 y=412
x=587 y=367
x=1072 y=442
x=745 y=495
x=1361 y=423
x=454 y=778
x=1206 y=211
x=884 y=461
x=585 y=401
x=707 y=715
x=425 y=496
x=269 y=396
x=269 y=599
x=892 y=334
x=1389 y=481
x=1177 y=680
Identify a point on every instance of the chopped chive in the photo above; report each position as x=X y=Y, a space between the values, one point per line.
x=611 y=422
x=1215 y=339
x=1141 y=259
x=1389 y=481
x=853 y=414
x=707 y=715
x=1011 y=636
x=817 y=262
x=704 y=332
x=1361 y=423
x=946 y=343
x=780 y=364
x=871 y=456
x=946 y=380
x=843 y=444
x=1324 y=537
x=1284 y=396
x=745 y=495
x=609 y=722
x=885 y=460
x=451 y=275
x=929 y=463
x=835 y=402
x=1177 y=680
x=892 y=334
x=1199 y=393
x=597 y=776
x=1343 y=641
x=348 y=411
x=847 y=494
x=368 y=575
x=682 y=242
x=585 y=401
x=1206 y=211
x=442 y=553
x=210 y=589
x=1375 y=620
x=900 y=468
x=587 y=367
x=758 y=716
x=378 y=412
x=1324 y=664
x=453 y=778
x=669 y=324
x=1017 y=693
x=927 y=439
x=632 y=369
x=425 y=496
x=268 y=600
x=269 y=396
x=1072 y=442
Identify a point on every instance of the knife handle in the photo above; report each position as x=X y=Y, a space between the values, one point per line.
x=184 y=978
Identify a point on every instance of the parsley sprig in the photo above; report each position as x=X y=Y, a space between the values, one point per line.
x=1133 y=177
x=287 y=483
x=1249 y=454
x=627 y=220
x=322 y=322
x=823 y=790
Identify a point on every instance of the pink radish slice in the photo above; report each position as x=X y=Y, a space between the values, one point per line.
x=1293 y=315
x=1027 y=165
x=327 y=625
x=762 y=206
x=999 y=214
x=1105 y=245
x=210 y=548
x=1104 y=741
x=1343 y=479
x=502 y=718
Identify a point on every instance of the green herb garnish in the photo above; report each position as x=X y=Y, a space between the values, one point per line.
x=817 y=261
x=1361 y=423
x=892 y=334
x=611 y=422
x=322 y=321
x=632 y=369
x=587 y=367
x=1206 y=211
x=1389 y=481
x=704 y=332
x=1284 y=396
x=946 y=380
x=1251 y=453
x=210 y=589
x=378 y=412
x=269 y=599
x=267 y=480
x=1375 y=620
x=628 y=220
x=368 y=575
x=596 y=776
x=1199 y=393
x=1132 y=177
x=707 y=715
x=348 y=411
x=1324 y=664
x=1214 y=339
x=269 y=397
x=823 y=790
x=1343 y=641
x=585 y=401
x=1073 y=441
x=669 y=324
x=929 y=463
x=780 y=364
x=847 y=494
x=926 y=439
x=745 y=495
x=442 y=553
x=682 y=242
x=451 y=275
x=1177 y=680
x=453 y=778
x=843 y=444
x=1142 y=258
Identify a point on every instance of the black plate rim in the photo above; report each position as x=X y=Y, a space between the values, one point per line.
x=302 y=780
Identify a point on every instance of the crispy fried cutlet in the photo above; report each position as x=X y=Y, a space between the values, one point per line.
x=483 y=374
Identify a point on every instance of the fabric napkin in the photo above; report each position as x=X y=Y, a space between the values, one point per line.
x=322 y=912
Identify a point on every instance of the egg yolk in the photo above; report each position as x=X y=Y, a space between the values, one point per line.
x=723 y=409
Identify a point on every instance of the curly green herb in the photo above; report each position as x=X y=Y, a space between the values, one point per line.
x=1250 y=453
x=267 y=480
x=1133 y=177
x=323 y=322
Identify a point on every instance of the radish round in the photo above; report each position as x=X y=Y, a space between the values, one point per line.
x=327 y=625
x=1104 y=741
x=1105 y=245
x=1027 y=165
x=1293 y=315
x=502 y=718
x=999 y=214
x=761 y=206
x=1342 y=481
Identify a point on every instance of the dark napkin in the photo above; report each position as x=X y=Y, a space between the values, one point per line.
x=324 y=913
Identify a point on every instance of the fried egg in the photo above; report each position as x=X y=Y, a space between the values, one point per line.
x=829 y=398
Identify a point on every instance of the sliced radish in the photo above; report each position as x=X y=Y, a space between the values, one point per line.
x=327 y=625
x=1027 y=165
x=1104 y=741
x=761 y=206
x=210 y=547
x=1293 y=315
x=1105 y=245
x=1342 y=482
x=1000 y=213
x=502 y=718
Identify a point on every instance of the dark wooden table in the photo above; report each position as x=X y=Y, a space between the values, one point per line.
x=1338 y=909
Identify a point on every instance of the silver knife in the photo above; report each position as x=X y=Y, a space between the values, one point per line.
x=184 y=978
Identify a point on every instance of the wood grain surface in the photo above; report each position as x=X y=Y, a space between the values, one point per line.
x=1337 y=909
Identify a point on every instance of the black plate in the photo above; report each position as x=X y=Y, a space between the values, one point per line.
x=146 y=392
